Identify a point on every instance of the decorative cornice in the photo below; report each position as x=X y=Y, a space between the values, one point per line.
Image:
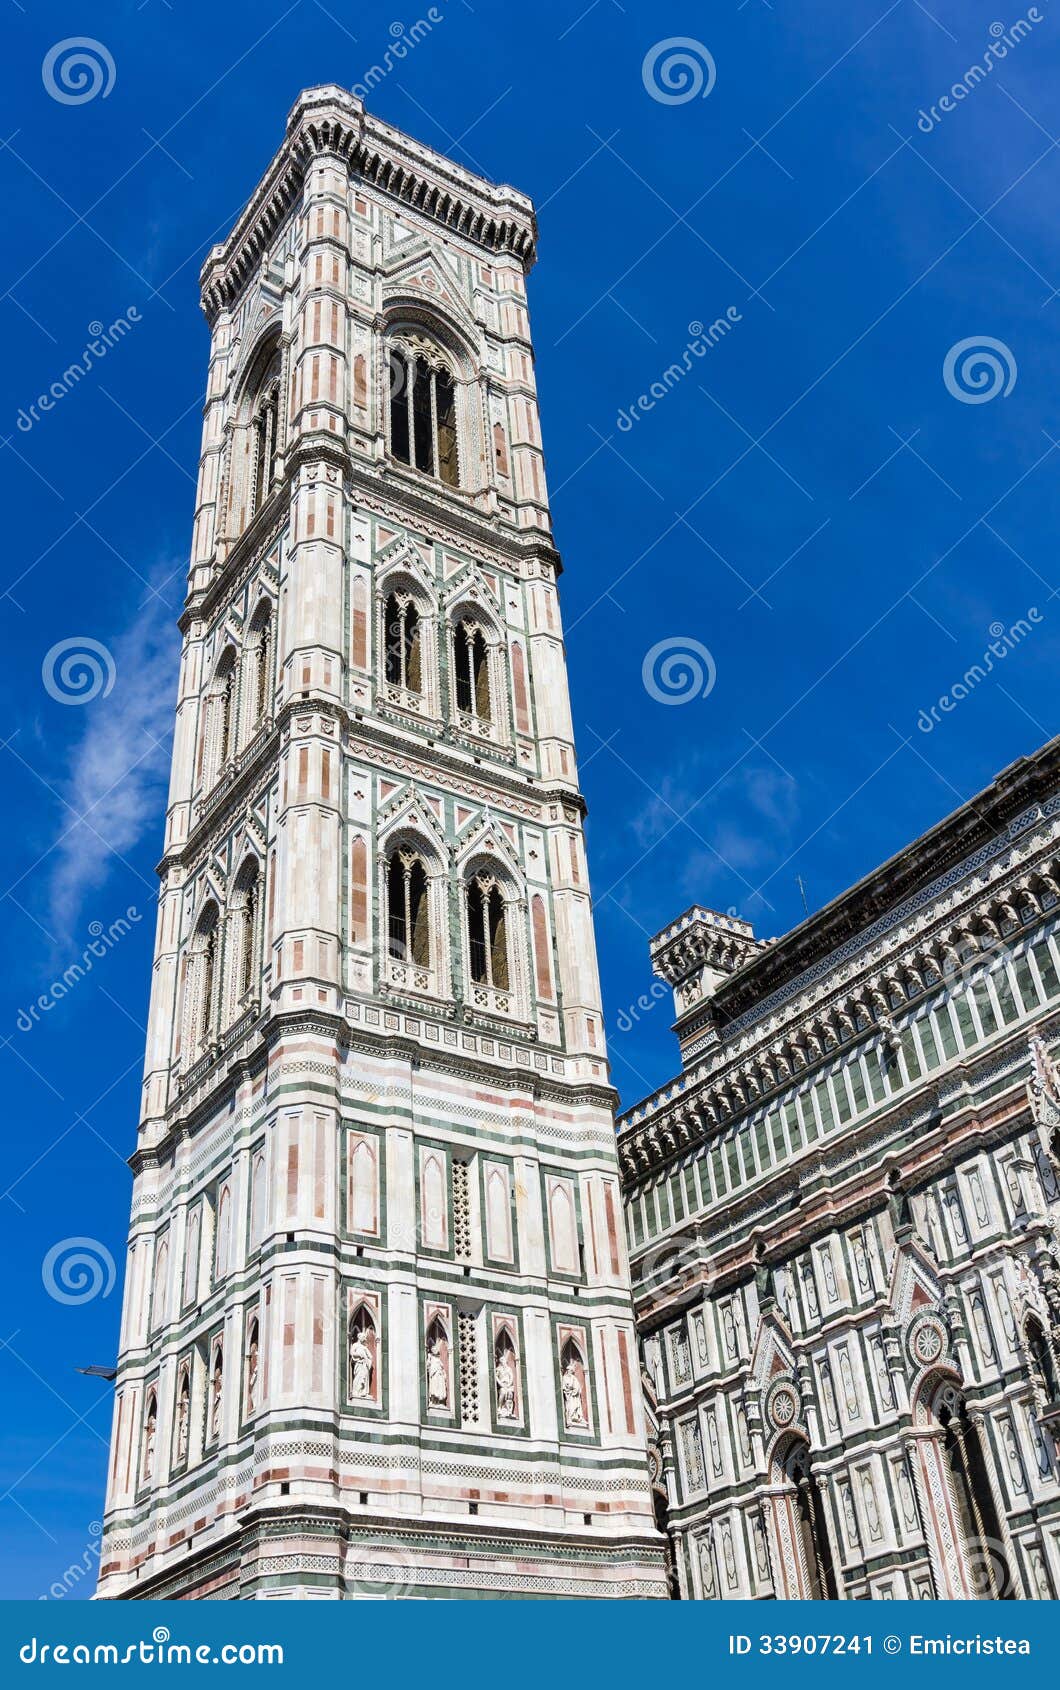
x=331 y=121
x=984 y=819
x=946 y=931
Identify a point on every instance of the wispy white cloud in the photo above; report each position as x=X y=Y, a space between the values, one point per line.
x=114 y=791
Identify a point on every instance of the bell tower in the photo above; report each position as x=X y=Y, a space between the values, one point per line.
x=377 y=1336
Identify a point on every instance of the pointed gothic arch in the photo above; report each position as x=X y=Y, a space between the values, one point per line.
x=493 y=919
x=150 y=1437
x=202 y=984
x=438 y=1362
x=217 y=1369
x=256 y=677
x=422 y=389
x=244 y=937
x=216 y=741
x=413 y=902
x=252 y=1369
x=407 y=641
x=806 y=1561
x=256 y=435
x=363 y=1355
x=182 y=1416
x=258 y=1199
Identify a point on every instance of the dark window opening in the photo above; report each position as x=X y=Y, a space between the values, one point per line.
x=487 y=934
x=408 y=910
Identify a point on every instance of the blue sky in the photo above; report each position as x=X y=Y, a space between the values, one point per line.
x=811 y=502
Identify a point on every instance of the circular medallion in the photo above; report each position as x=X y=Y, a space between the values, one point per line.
x=783 y=1406
x=927 y=1342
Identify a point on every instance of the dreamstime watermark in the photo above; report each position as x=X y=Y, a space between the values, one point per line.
x=402 y=43
x=77 y=70
x=1002 y=641
x=677 y=70
x=101 y=941
x=103 y=337
x=77 y=1571
x=979 y=368
x=159 y=1651
x=1005 y=39
x=677 y=670
x=78 y=1270
x=701 y=340
x=77 y=670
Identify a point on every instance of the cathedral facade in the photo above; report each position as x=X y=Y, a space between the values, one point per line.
x=844 y=1224
x=377 y=1337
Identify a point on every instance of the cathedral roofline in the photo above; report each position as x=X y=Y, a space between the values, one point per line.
x=330 y=119
x=979 y=819
x=767 y=1021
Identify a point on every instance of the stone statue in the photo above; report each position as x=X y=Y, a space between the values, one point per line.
x=437 y=1377
x=215 y=1401
x=360 y=1366
x=505 y=1377
x=252 y=1377
x=149 y=1448
x=182 y=1426
x=573 y=1406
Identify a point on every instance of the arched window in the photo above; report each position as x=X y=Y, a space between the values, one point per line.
x=217 y=741
x=257 y=670
x=471 y=667
x=814 y=1542
x=408 y=909
x=487 y=933
x=265 y=428
x=1041 y=1358
x=970 y=1484
x=253 y=462
x=203 y=981
x=246 y=902
x=423 y=409
x=403 y=655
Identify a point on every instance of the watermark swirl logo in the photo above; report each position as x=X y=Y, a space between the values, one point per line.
x=678 y=670
x=78 y=670
x=677 y=70
x=78 y=1270
x=988 y=1573
x=78 y=70
x=976 y=370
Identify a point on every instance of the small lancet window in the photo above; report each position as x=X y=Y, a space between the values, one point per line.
x=409 y=934
x=472 y=670
x=487 y=932
x=206 y=960
x=266 y=436
x=247 y=917
x=402 y=635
